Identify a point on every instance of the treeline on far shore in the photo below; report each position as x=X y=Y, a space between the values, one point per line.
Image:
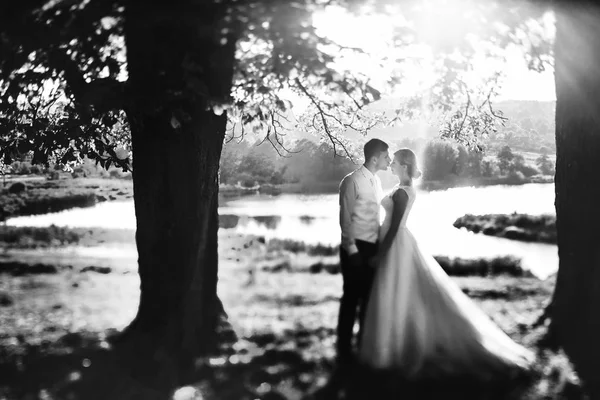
x=245 y=168
x=310 y=166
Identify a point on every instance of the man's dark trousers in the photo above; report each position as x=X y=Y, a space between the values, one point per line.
x=358 y=280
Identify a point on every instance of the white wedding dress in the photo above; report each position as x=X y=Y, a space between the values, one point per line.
x=420 y=322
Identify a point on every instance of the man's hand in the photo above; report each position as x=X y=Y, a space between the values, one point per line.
x=356 y=260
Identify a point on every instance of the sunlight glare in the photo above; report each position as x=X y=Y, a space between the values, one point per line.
x=370 y=32
x=439 y=23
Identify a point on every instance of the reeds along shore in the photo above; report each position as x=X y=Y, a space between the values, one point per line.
x=524 y=227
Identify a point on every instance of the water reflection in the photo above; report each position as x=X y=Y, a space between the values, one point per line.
x=269 y=221
x=314 y=219
x=307 y=219
x=230 y=221
x=431 y=221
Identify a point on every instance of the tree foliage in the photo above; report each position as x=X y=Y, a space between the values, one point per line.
x=505 y=157
x=545 y=165
x=59 y=86
x=309 y=163
x=530 y=125
x=64 y=89
x=439 y=160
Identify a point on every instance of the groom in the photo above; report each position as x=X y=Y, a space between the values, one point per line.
x=360 y=194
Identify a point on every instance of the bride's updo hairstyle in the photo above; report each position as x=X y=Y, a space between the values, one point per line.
x=407 y=157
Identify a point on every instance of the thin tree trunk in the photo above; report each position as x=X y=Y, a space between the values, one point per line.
x=576 y=302
x=176 y=66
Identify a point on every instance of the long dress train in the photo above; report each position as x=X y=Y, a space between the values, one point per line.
x=419 y=321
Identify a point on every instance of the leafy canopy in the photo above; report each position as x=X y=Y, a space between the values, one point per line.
x=63 y=71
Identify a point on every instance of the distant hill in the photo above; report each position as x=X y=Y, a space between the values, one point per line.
x=519 y=109
x=530 y=126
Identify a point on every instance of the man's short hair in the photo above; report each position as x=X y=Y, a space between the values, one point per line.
x=373 y=147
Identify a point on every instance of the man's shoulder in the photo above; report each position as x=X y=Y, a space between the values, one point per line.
x=349 y=177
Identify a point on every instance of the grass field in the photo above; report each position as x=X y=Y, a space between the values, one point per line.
x=56 y=326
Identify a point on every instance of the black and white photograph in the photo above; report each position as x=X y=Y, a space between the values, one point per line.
x=300 y=200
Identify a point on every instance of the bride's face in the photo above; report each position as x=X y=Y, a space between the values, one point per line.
x=396 y=167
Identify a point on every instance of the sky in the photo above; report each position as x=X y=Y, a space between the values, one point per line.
x=371 y=32
x=523 y=84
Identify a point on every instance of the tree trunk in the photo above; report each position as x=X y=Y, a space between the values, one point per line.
x=576 y=302
x=176 y=66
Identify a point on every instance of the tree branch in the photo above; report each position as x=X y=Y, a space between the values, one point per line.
x=322 y=114
x=101 y=94
x=462 y=123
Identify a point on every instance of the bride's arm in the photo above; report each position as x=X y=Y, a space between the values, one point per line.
x=400 y=198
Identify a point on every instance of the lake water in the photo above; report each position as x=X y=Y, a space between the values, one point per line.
x=314 y=219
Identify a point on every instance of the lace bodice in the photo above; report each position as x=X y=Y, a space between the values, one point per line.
x=388 y=205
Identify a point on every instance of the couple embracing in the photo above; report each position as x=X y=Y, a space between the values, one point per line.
x=412 y=317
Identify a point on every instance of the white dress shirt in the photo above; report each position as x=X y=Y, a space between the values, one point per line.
x=360 y=196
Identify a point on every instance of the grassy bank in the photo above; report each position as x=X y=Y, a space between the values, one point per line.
x=524 y=227
x=275 y=255
x=26 y=237
x=41 y=196
x=287 y=255
x=57 y=332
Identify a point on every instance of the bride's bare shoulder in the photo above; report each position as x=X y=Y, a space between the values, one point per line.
x=400 y=192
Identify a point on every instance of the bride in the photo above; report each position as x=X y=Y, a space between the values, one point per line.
x=418 y=320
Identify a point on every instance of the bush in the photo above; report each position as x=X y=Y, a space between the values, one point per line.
x=546 y=166
x=31 y=237
x=259 y=165
x=439 y=160
x=488 y=168
x=294 y=246
x=79 y=172
x=483 y=267
x=247 y=180
x=277 y=178
x=527 y=170
x=48 y=204
x=53 y=175
x=515 y=177
x=21 y=167
x=505 y=158
x=524 y=227
x=17 y=187
x=322 y=250
x=474 y=164
x=114 y=173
